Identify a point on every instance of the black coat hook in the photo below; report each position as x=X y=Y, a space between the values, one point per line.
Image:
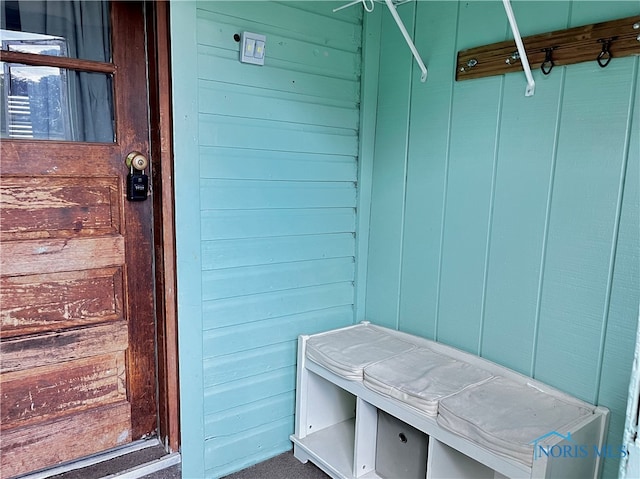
x=605 y=55
x=548 y=63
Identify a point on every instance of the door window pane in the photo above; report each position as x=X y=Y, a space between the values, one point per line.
x=84 y=26
x=51 y=103
x=48 y=103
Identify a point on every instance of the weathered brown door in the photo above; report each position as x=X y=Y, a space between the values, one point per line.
x=77 y=346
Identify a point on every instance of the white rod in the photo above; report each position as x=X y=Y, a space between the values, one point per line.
x=347 y=5
x=407 y=38
x=531 y=84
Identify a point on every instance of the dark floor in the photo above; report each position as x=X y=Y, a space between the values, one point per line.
x=173 y=472
x=115 y=465
x=123 y=463
x=284 y=466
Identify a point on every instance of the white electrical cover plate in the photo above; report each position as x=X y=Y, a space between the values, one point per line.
x=252 y=48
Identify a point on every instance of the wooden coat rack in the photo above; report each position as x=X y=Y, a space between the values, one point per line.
x=598 y=42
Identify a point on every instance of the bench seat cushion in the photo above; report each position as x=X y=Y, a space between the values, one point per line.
x=421 y=377
x=507 y=417
x=347 y=351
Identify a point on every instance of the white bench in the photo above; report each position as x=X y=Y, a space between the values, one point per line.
x=482 y=420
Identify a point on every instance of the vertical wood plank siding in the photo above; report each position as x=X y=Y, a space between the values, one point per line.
x=514 y=220
x=275 y=174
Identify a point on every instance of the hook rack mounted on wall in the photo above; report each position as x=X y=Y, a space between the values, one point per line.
x=574 y=45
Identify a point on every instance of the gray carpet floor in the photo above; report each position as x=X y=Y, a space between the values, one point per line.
x=173 y=472
x=122 y=463
x=284 y=466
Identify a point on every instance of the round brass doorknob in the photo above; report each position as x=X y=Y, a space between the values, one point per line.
x=136 y=160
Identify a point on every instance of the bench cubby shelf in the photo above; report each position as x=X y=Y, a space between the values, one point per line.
x=337 y=419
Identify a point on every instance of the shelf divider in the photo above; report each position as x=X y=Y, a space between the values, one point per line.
x=366 y=432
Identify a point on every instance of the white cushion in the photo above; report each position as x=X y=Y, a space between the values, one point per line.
x=507 y=417
x=422 y=377
x=347 y=351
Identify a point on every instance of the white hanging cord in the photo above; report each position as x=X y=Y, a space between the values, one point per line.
x=366 y=4
x=531 y=84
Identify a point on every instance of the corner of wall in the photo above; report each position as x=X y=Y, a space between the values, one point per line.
x=371 y=37
x=187 y=226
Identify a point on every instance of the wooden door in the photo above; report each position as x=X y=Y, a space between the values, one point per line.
x=77 y=345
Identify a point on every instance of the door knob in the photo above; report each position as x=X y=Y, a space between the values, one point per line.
x=136 y=160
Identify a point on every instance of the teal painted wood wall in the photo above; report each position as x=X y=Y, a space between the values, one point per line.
x=265 y=180
x=504 y=225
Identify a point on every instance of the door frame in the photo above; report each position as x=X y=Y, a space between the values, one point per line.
x=161 y=145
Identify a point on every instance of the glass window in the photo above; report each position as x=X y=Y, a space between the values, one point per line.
x=49 y=102
x=83 y=25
